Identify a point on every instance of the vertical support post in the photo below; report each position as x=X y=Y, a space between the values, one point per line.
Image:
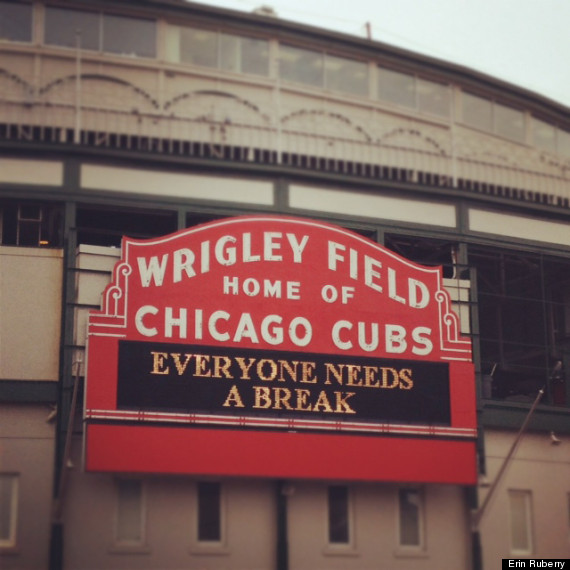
x=282 y=534
x=77 y=128
x=66 y=378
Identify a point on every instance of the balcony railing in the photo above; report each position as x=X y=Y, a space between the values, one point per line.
x=223 y=140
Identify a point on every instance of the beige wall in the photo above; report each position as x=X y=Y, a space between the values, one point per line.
x=30 y=313
x=538 y=466
x=26 y=450
x=249 y=525
x=374 y=518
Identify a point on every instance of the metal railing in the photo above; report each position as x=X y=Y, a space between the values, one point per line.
x=157 y=132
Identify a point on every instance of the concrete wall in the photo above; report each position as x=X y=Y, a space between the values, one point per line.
x=30 y=313
x=26 y=450
x=170 y=524
x=541 y=467
x=375 y=541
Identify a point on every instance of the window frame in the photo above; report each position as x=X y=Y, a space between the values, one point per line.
x=174 y=35
x=319 y=56
x=31 y=21
x=420 y=546
x=10 y=542
x=417 y=100
x=122 y=544
x=496 y=108
x=342 y=546
x=200 y=542
x=529 y=531
x=101 y=29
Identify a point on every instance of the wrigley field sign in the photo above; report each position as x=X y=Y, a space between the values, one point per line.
x=284 y=333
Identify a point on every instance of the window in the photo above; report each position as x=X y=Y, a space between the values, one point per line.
x=129 y=36
x=408 y=91
x=544 y=135
x=218 y=50
x=130 y=522
x=346 y=75
x=410 y=509
x=524 y=323
x=488 y=116
x=477 y=112
x=63 y=26
x=100 y=32
x=322 y=70
x=301 y=65
x=15 y=22
x=428 y=251
x=396 y=87
x=338 y=515
x=520 y=515
x=209 y=512
x=568 y=505
x=433 y=98
x=198 y=47
x=31 y=223
x=564 y=143
x=106 y=226
x=509 y=123
x=245 y=55
x=8 y=509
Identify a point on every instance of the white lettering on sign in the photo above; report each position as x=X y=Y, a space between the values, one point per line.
x=221 y=326
x=367 y=337
x=416 y=295
x=338 y=275
x=267 y=288
x=227 y=251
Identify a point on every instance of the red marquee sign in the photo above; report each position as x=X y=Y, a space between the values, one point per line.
x=278 y=347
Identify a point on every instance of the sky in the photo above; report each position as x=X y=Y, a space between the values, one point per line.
x=523 y=42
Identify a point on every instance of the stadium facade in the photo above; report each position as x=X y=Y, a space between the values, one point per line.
x=248 y=140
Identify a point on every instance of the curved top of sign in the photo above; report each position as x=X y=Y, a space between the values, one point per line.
x=279 y=283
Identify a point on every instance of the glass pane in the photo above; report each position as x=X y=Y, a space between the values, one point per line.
x=245 y=55
x=509 y=123
x=15 y=22
x=129 y=511
x=129 y=36
x=564 y=142
x=106 y=226
x=301 y=65
x=338 y=514
x=199 y=47
x=7 y=506
x=62 y=27
x=29 y=233
x=520 y=518
x=346 y=75
x=397 y=87
x=433 y=98
x=209 y=512
x=409 y=500
x=255 y=56
x=230 y=52
x=544 y=135
x=477 y=112
x=30 y=212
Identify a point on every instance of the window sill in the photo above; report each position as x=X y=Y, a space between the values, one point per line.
x=205 y=549
x=340 y=550
x=410 y=552
x=129 y=549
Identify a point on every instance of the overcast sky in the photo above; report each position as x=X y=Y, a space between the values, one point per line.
x=524 y=42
